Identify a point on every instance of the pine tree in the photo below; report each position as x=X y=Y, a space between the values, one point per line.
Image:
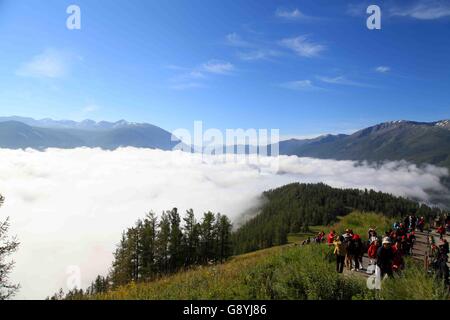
x=175 y=241
x=148 y=234
x=191 y=230
x=163 y=238
x=7 y=247
x=133 y=250
x=225 y=248
x=121 y=270
x=207 y=238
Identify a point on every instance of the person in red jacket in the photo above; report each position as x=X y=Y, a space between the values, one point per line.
x=397 y=262
x=372 y=252
x=441 y=231
x=330 y=237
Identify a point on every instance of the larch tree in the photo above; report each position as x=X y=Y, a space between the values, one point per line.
x=8 y=246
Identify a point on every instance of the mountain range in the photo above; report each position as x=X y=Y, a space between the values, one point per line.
x=19 y=133
x=417 y=142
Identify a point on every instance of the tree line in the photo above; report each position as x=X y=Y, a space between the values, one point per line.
x=294 y=207
x=8 y=246
x=156 y=247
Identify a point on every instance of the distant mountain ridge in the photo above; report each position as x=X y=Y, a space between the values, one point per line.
x=48 y=133
x=70 y=124
x=417 y=142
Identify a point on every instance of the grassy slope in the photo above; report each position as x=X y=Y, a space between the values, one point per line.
x=285 y=272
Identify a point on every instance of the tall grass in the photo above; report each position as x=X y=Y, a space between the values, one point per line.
x=412 y=284
x=224 y=281
x=303 y=273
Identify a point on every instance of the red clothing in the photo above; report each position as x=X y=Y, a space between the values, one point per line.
x=397 y=263
x=372 y=252
x=330 y=238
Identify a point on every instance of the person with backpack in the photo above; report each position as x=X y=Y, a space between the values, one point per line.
x=340 y=252
x=347 y=236
x=352 y=254
x=385 y=257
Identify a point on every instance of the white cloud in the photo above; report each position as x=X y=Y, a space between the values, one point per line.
x=49 y=64
x=341 y=80
x=294 y=14
x=423 y=10
x=69 y=207
x=299 y=85
x=357 y=9
x=218 y=67
x=190 y=76
x=382 y=69
x=261 y=54
x=251 y=51
x=303 y=47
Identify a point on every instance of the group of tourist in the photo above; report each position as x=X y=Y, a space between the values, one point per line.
x=386 y=251
x=348 y=248
x=440 y=250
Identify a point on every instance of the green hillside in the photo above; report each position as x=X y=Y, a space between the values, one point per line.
x=295 y=207
x=283 y=272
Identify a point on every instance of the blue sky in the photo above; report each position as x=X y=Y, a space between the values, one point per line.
x=305 y=67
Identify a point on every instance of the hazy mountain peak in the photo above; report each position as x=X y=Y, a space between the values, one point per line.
x=86 y=124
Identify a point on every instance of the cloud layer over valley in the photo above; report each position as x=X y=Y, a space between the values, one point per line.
x=69 y=207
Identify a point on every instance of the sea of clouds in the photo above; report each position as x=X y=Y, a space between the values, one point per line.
x=69 y=207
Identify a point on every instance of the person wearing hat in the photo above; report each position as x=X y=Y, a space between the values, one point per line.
x=385 y=257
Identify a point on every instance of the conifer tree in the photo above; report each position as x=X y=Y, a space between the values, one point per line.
x=7 y=247
x=191 y=231
x=163 y=239
x=207 y=238
x=175 y=241
x=148 y=234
